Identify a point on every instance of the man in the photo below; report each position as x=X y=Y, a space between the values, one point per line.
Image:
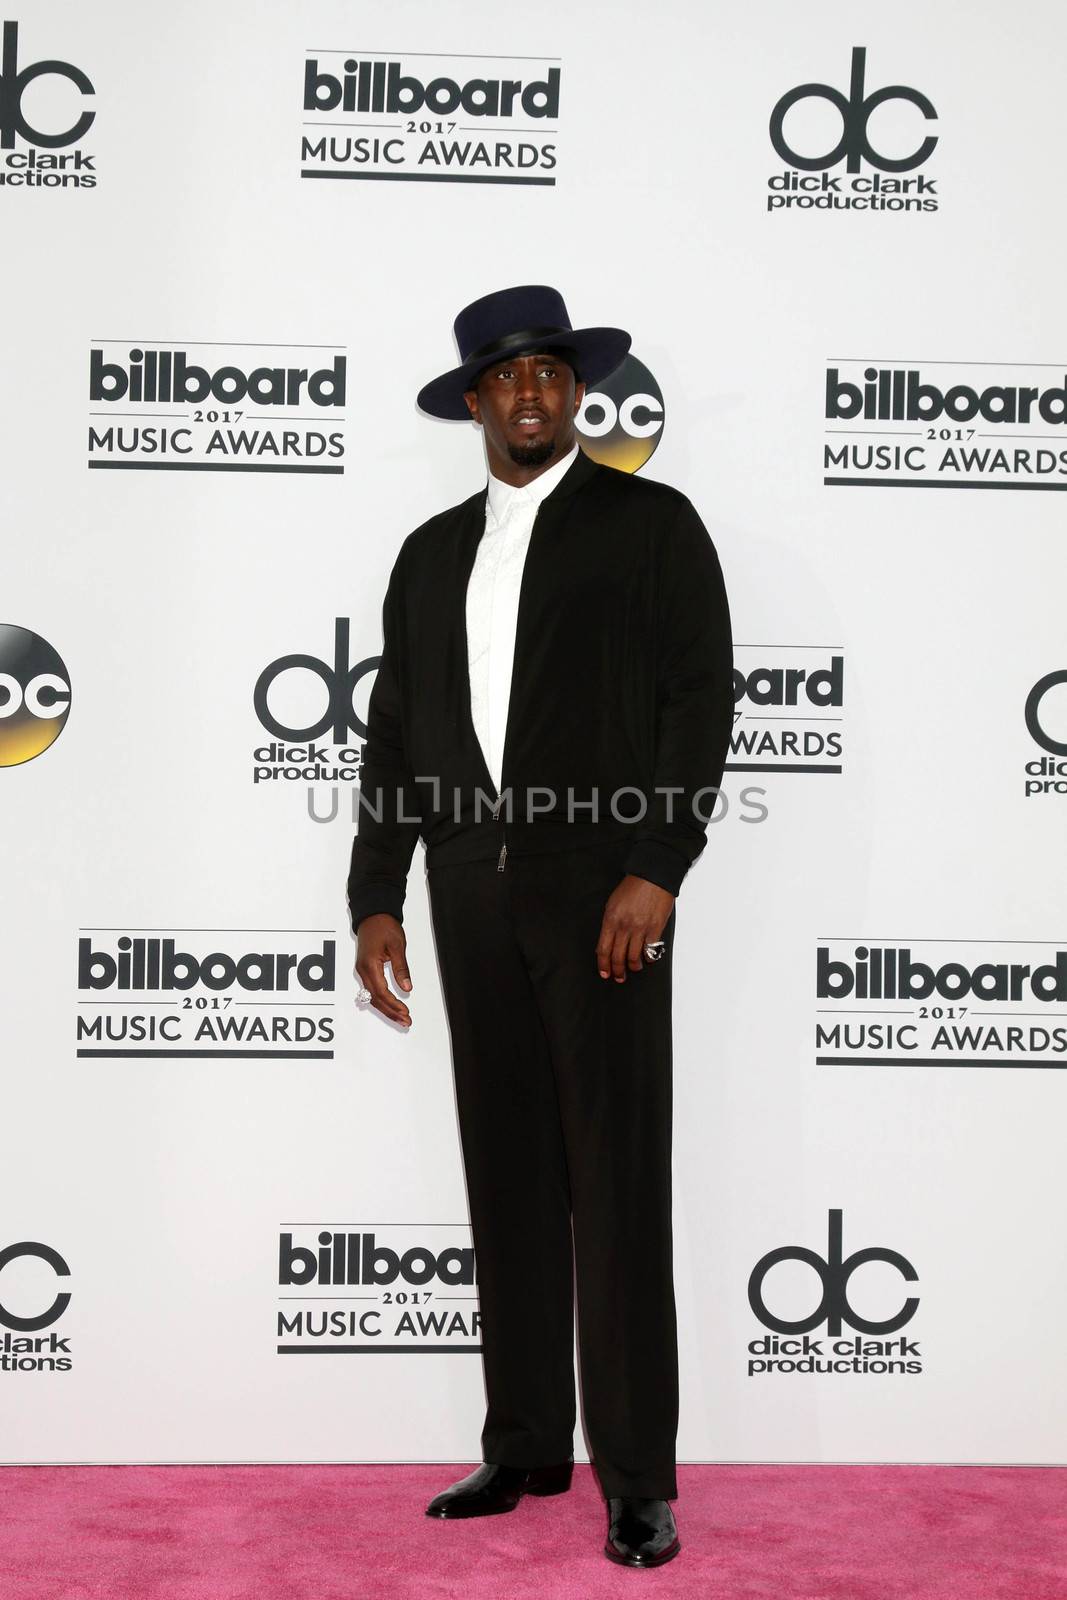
x=551 y=715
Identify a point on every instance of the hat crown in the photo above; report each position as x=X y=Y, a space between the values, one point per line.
x=533 y=308
x=509 y=323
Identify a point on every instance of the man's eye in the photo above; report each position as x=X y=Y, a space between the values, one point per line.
x=548 y=372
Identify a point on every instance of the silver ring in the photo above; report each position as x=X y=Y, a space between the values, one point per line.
x=656 y=951
x=362 y=996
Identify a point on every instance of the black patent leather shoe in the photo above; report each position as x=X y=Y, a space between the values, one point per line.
x=641 y=1533
x=492 y=1489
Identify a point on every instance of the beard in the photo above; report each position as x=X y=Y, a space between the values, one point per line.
x=532 y=454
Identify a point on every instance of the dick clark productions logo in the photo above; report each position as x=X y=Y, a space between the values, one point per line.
x=1046 y=723
x=323 y=753
x=39 y=166
x=24 y=1346
x=798 y=187
x=834 y=1308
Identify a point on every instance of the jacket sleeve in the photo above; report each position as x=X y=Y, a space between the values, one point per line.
x=695 y=704
x=389 y=812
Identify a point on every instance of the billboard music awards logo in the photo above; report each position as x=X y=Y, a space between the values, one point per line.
x=1046 y=723
x=621 y=421
x=430 y=118
x=790 y=709
x=211 y=994
x=308 y=707
x=940 y=424
x=782 y=1300
x=406 y=1288
x=218 y=406
x=34 y=154
x=873 y=139
x=940 y=1003
x=33 y=1297
x=34 y=695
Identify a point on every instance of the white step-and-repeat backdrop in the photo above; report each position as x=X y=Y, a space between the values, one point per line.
x=236 y=238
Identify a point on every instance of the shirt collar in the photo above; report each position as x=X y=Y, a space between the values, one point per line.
x=502 y=496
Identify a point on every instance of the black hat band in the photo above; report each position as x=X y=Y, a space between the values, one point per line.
x=516 y=341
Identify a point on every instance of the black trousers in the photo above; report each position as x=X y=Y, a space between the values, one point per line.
x=563 y=1086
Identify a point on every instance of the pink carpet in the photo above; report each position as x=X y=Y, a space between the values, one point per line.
x=359 y=1533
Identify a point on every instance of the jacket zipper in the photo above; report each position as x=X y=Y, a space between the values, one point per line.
x=503 y=856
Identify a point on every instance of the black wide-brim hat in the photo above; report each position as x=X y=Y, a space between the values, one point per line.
x=509 y=323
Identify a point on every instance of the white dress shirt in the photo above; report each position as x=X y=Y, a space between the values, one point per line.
x=493 y=603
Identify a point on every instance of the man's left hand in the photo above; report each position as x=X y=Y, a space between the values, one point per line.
x=635 y=915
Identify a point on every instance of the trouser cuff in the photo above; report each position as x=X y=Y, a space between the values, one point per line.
x=550 y=1453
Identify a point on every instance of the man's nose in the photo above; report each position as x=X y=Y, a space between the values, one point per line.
x=528 y=387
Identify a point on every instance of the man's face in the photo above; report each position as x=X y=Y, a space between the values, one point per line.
x=526 y=407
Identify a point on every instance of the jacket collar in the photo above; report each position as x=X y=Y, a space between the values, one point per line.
x=576 y=477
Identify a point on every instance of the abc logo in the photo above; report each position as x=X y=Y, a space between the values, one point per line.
x=620 y=422
x=855 y=112
x=13 y=85
x=53 y=1312
x=34 y=695
x=834 y=1274
x=1038 y=728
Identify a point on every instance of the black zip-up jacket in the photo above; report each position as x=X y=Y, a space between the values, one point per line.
x=621 y=690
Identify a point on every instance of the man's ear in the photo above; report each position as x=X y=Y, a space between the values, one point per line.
x=579 y=396
x=471 y=397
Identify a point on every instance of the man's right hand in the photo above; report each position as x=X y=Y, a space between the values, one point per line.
x=381 y=941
